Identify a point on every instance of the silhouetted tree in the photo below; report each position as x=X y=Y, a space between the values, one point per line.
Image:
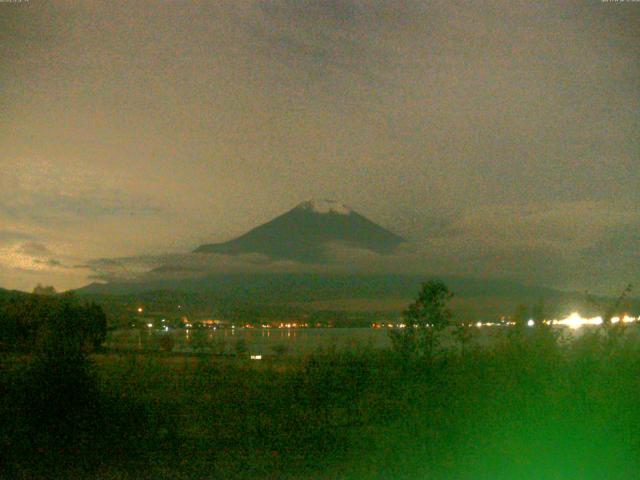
x=520 y=315
x=607 y=311
x=57 y=322
x=538 y=312
x=44 y=290
x=96 y=327
x=464 y=334
x=424 y=319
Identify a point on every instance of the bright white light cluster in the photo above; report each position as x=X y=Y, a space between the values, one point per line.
x=575 y=320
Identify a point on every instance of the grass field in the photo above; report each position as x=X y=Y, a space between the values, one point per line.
x=522 y=408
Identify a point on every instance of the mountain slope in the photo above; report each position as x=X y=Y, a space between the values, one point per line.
x=302 y=234
x=283 y=287
x=475 y=299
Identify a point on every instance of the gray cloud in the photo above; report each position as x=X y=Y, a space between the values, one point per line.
x=324 y=38
x=476 y=130
x=7 y=236
x=68 y=208
x=34 y=249
x=45 y=193
x=25 y=261
x=614 y=260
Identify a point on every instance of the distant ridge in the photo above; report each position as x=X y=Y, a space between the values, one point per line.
x=475 y=299
x=303 y=234
x=275 y=287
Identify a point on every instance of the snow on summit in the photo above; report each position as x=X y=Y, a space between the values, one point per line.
x=325 y=206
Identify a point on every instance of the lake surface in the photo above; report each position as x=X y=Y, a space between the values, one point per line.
x=256 y=341
x=301 y=341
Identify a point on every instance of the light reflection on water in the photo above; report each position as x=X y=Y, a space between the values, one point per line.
x=258 y=341
x=261 y=341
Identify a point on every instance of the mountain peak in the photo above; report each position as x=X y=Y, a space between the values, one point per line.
x=306 y=233
x=325 y=206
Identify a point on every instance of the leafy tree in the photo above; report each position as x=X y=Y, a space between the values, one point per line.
x=607 y=310
x=424 y=319
x=538 y=312
x=96 y=325
x=464 y=334
x=516 y=332
x=44 y=290
x=431 y=306
x=58 y=323
x=520 y=315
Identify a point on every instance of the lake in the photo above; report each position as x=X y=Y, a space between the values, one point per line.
x=263 y=341
x=256 y=341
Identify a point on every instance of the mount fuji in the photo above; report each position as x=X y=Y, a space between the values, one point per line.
x=305 y=233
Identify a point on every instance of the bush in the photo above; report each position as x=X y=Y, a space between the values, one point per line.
x=36 y=322
x=167 y=342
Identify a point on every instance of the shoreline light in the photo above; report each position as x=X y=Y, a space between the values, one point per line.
x=575 y=321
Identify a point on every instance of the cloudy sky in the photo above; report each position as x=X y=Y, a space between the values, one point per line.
x=501 y=138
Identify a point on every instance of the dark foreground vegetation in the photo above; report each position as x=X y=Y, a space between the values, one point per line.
x=533 y=405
